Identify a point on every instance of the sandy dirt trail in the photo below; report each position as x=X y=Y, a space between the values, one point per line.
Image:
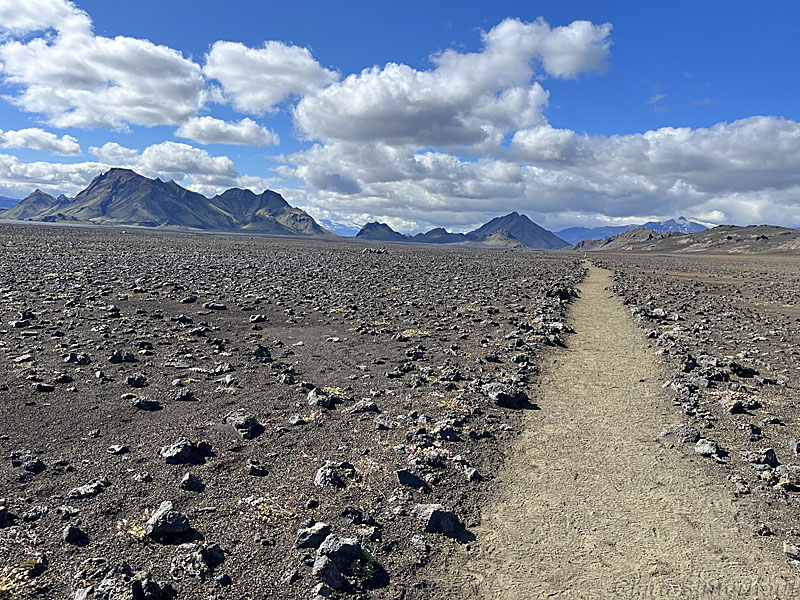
x=592 y=504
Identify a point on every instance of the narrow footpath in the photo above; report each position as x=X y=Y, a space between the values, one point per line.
x=591 y=503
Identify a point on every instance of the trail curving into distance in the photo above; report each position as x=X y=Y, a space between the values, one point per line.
x=592 y=504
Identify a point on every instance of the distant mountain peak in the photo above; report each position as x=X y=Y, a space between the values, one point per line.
x=522 y=229
x=380 y=232
x=680 y=224
x=124 y=197
x=724 y=239
x=509 y=231
x=35 y=203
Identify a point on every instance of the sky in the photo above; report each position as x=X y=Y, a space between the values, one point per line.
x=416 y=114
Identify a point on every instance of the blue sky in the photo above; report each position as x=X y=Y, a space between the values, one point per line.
x=574 y=113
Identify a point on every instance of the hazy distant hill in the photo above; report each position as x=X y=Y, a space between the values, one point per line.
x=724 y=239
x=439 y=235
x=6 y=202
x=123 y=197
x=380 y=232
x=37 y=203
x=510 y=231
x=577 y=234
x=632 y=239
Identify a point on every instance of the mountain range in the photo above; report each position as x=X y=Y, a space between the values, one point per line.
x=573 y=235
x=723 y=239
x=510 y=231
x=123 y=197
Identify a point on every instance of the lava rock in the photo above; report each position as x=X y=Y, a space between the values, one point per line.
x=437 y=520
x=27 y=460
x=504 y=394
x=261 y=354
x=326 y=571
x=146 y=404
x=137 y=380
x=245 y=424
x=317 y=397
x=166 y=522
x=742 y=371
x=313 y=536
x=182 y=395
x=185 y=452
x=192 y=483
x=118 y=357
x=5 y=518
x=72 y=534
x=363 y=406
x=255 y=468
x=763 y=458
x=88 y=490
x=342 y=551
x=706 y=447
x=34 y=514
x=214 y=306
x=196 y=560
x=333 y=474
x=409 y=478
x=791 y=551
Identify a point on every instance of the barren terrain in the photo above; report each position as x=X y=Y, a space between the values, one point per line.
x=317 y=414
x=200 y=416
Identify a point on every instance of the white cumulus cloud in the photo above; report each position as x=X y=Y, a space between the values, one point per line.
x=58 y=67
x=453 y=144
x=467 y=99
x=39 y=139
x=23 y=16
x=18 y=179
x=78 y=79
x=747 y=170
x=208 y=130
x=256 y=80
x=115 y=154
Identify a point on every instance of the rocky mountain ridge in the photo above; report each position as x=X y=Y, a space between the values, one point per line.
x=578 y=234
x=723 y=239
x=123 y=197
x=509 y=231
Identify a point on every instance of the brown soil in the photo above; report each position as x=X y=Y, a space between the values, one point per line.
x=592 y=503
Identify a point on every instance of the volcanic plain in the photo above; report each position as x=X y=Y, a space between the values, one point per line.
x=209 y=416
x=227 y=416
